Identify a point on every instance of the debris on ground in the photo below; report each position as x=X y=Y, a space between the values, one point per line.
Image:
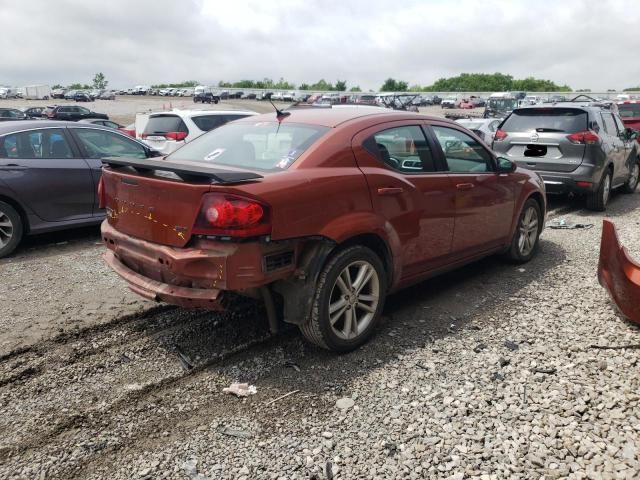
x=562 y=224
x=511 y=345
x=240 y=389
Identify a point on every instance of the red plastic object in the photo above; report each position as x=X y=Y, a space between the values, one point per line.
x=619 y=273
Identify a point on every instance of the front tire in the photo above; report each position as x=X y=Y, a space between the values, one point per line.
x=11 y=229
x=598 y=200
x=632 y=182
x=527 y=235
x=348 y=300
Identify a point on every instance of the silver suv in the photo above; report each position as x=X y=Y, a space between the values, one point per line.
x=577 y=146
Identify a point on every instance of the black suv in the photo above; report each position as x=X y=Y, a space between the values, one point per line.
x=580 y=146
x=206 y=97
x=71 y=112
x=9 y=114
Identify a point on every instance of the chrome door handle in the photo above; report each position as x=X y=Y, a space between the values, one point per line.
x=465 y=186
x=13 y=166
x=390 y=191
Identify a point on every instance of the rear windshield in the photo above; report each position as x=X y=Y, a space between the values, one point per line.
x=567 y=120
x=262 y=146
x=160 y=124
x=629 y=110
x=209 y=122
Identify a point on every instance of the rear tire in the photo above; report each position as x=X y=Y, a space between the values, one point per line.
x=598 y=200
x=632 y=182
x=353 y=285
x=526 y=238
x=11 y=229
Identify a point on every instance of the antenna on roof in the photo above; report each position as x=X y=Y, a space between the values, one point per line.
x=279 y=113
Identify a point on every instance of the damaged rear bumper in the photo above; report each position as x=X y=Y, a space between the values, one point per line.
x=619 y=274
x=210 y=298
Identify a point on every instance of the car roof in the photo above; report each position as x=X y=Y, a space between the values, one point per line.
x=332 y=117
x=193 y=113
x=22 y=125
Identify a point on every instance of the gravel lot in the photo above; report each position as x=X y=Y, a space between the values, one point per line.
x=124 y=108
x=487 y=372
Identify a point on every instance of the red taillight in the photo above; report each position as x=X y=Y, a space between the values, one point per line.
x=584 y=184
x=131 y=133
x=584 y=138
x=500 y=135
x=102 y=199
x=231 y=215
x=177 y=136
x=50 y=114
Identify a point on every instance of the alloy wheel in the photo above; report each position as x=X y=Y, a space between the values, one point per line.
x=635 y=174
x=528 y=231
x=6 y=229
x=354 y=300
x=606 y=189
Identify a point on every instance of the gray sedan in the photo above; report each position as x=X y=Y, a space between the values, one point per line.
x=49 y=175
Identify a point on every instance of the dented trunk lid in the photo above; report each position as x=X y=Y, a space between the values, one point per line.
x=150 y=208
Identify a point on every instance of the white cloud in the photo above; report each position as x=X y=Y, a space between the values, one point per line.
x=586 y=44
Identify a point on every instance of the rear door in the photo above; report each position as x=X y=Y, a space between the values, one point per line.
x=614 y=148
x=484 y=199
x=537 y=138
x=46 y=172
x=630 y=157
x=410 y=190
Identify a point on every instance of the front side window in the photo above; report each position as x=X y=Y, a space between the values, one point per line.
x=462 y=153
x=83 y=110
x=609 y=124
x=404 y=149
x=101 y=143
x=37 y=144
x=261 y=145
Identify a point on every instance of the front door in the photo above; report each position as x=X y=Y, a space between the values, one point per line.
x=410 y=191
x=484 y=199
x=615 y=149
x=46 y=174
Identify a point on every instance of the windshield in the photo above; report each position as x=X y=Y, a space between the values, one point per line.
x=567 y=120
x=629 y=110
x=502 y=103
x=261 y=146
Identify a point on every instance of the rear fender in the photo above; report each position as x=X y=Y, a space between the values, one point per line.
x=356 y=224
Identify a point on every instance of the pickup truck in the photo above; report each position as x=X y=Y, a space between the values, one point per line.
x=205 y=97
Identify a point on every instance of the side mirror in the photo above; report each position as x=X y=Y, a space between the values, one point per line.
x=630 y=134
x=151 y=153
x=505 y=165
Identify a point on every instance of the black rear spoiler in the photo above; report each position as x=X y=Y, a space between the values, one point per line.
x=184 y=171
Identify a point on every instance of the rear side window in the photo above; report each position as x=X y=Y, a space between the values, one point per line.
x=209 y=122
x=629 y=110
x=161 y=124
x=564 y=120
x=404 y=149
x=38 y=144
x=101 y=143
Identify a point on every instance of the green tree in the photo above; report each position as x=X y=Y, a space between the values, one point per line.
x=630 y=89
x=99 y=81
x=341 y=86
x=392 y=85
x=304 y=86
x=79 y=86
x=355 y=89
x=57 y=86
x=322 y=85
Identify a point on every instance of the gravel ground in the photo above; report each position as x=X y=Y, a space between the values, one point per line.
x=124 y=108
x=487 y=373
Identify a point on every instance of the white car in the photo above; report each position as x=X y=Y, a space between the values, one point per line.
x=168 y=131
x=485 y=128
x=277 y=96
x=450 y=102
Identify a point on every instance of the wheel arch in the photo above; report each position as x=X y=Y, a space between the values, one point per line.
x=20 y=209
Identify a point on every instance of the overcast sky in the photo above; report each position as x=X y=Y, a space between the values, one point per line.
x=583 y=43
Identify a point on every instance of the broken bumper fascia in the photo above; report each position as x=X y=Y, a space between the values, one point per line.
x=619 y=274
x=210 y=299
